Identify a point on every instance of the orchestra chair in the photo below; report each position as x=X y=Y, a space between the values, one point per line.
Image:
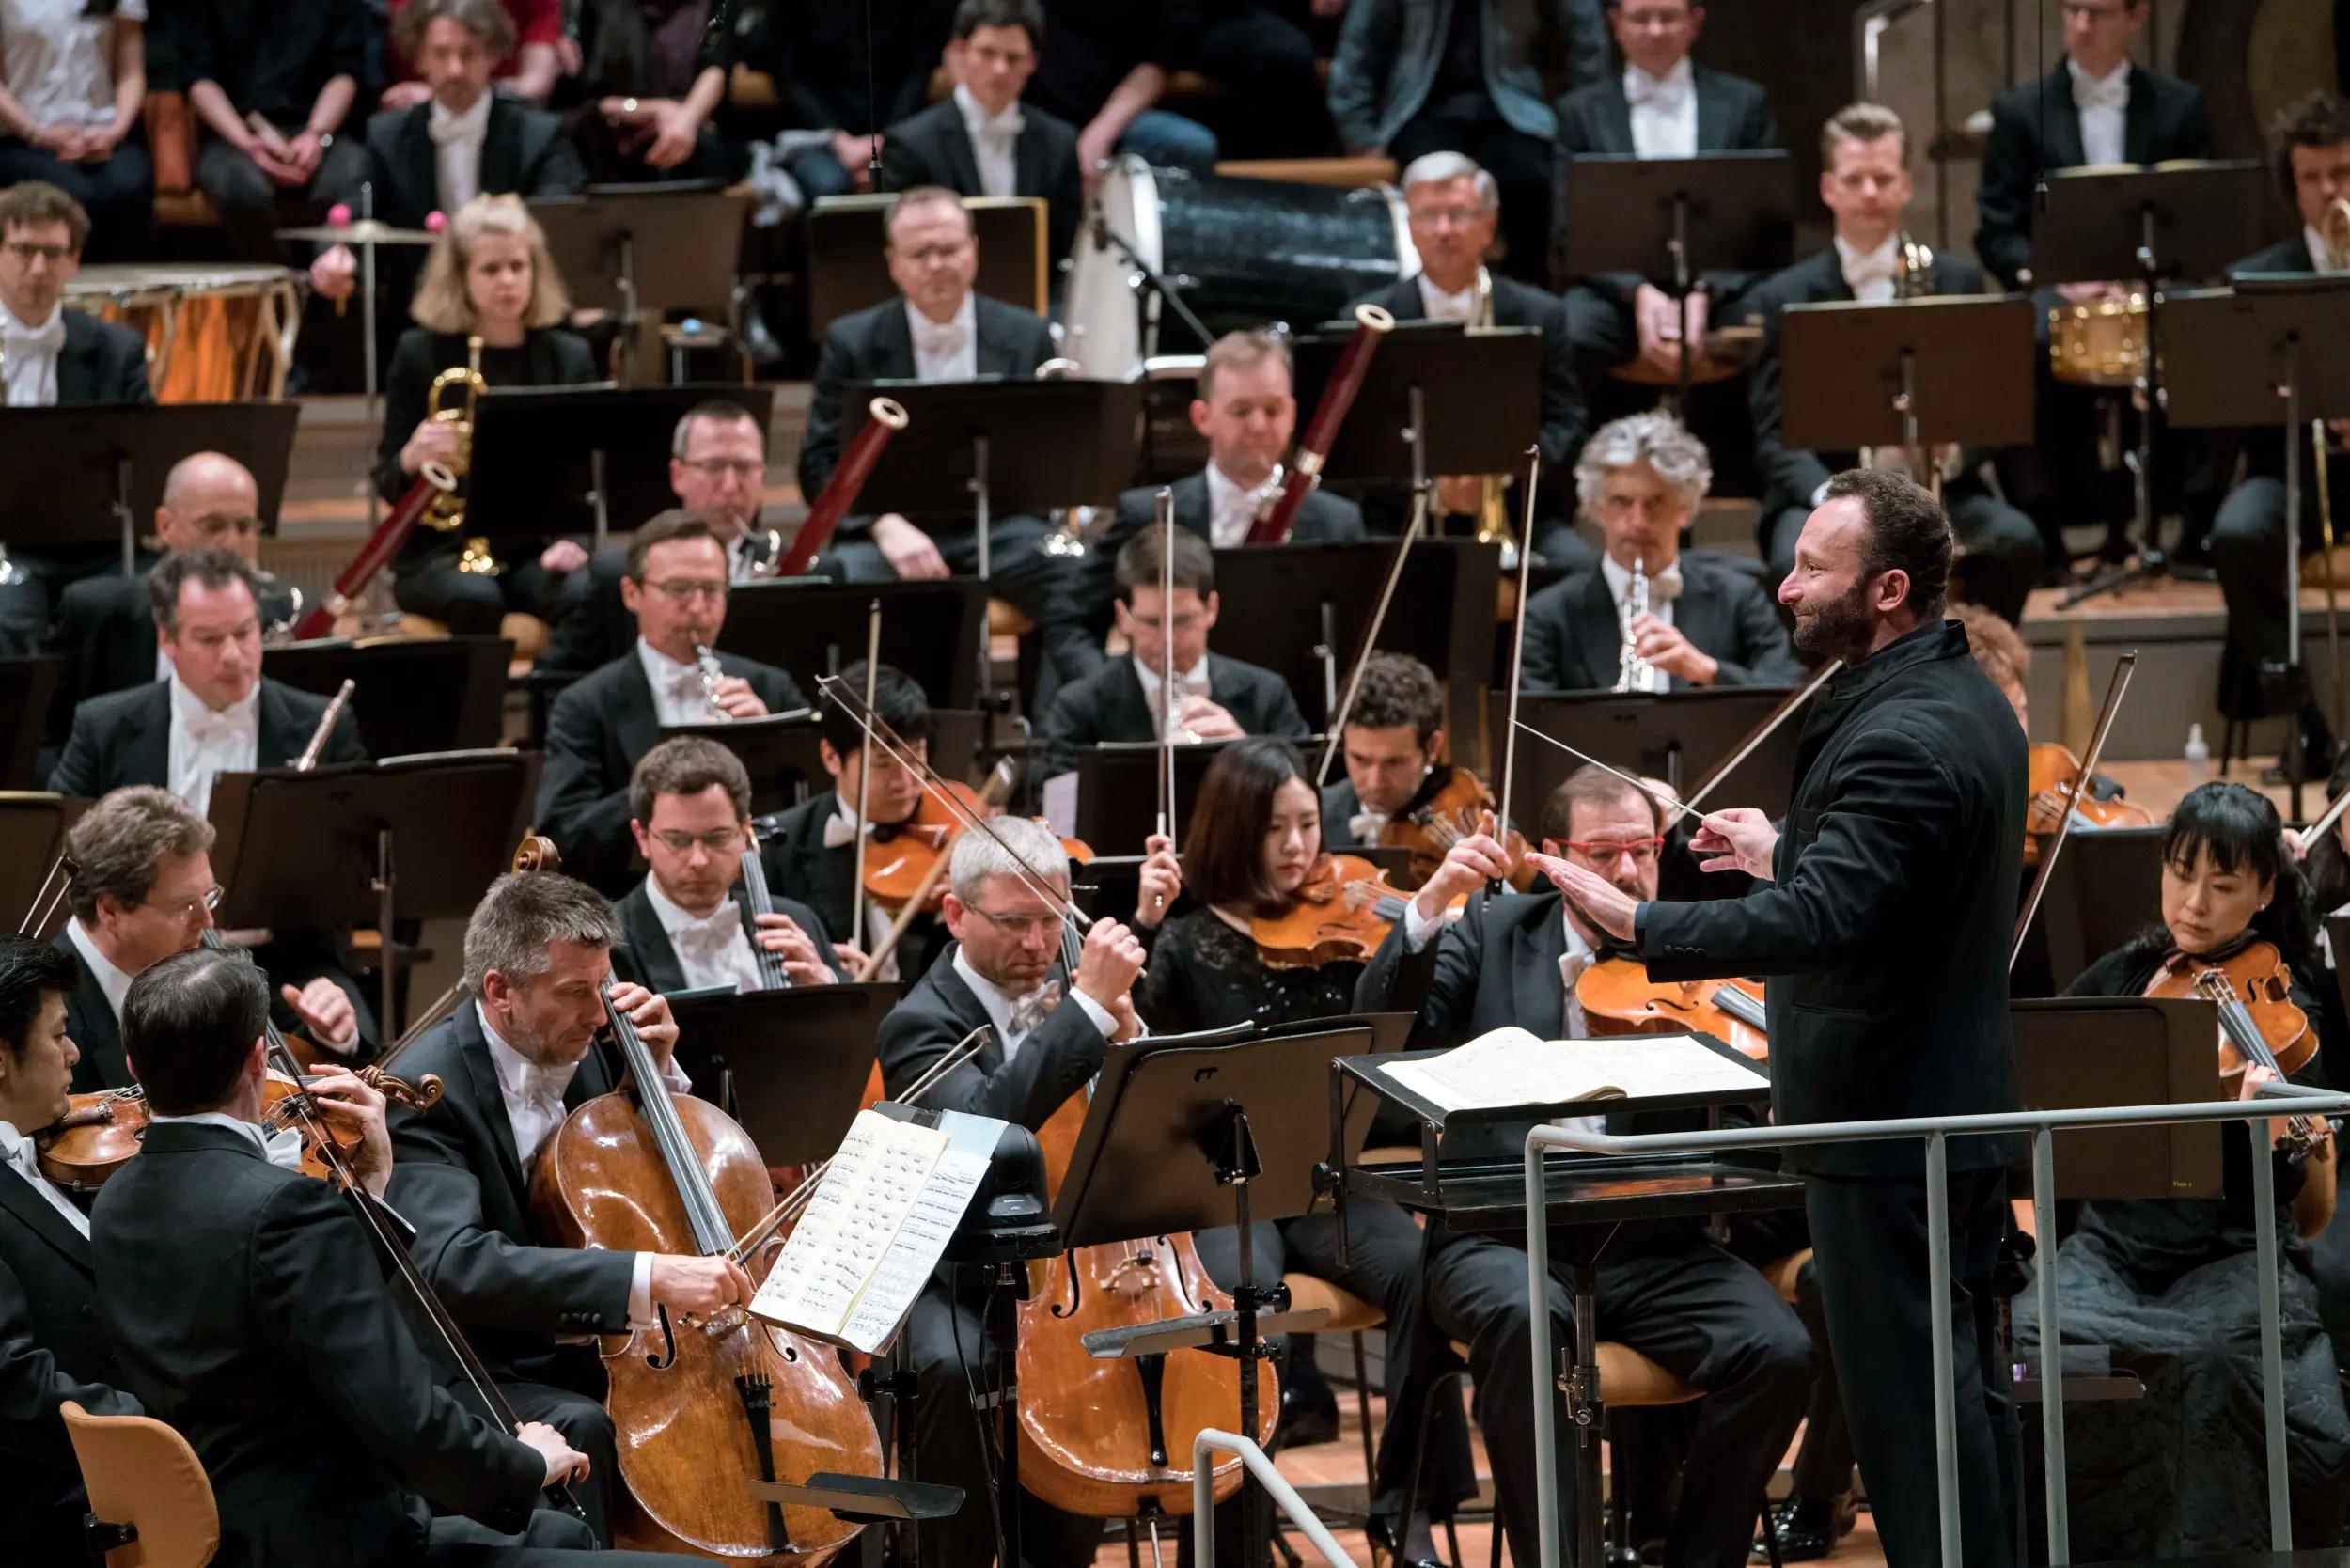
x=1784 y=1273
x=151 y=1504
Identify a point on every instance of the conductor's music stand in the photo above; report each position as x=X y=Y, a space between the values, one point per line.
x=639 y=252
x=2186 y=219
x=583 y=459
x=409 y=838
x=790 y=1065
x=1914 y=373
x=2268 y=349
x=1676 y=217
x=412 y=694
x=90 y=472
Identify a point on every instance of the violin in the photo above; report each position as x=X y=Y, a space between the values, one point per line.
x=2055 y=781
x=2260 y=1025
x=1618 y=997
x=1339 y=914
x=1434 y=823
x=905 y=863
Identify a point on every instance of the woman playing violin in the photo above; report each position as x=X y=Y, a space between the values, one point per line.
x=2167 y=1283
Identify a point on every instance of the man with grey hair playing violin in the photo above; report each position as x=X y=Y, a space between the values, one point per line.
x=1047 y=1030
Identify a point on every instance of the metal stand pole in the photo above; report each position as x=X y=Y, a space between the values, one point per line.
x=982 y=522
x=385 y=973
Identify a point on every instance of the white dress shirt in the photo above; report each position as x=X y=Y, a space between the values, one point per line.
x=205 y=743
x=1664 y=111
x=1190 y=682
x=282 y=1149
x=949 y=350
x=1000 y=1005
x=18 y=1150
x=58 y=59
x=1231 y=510
x=995 y=143
x=1662 y=587
x=534 y=1109
x=2103 y=104
x=32 y=355
x=457 y=151
x=678 y=696
x=1437 y=306
x=713 y=949
x=113 y=981
x=1870 y=276
x=2319 y=254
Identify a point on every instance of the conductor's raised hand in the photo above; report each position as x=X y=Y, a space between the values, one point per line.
x=1473 y=860
x=1605 y=904
x=1740 y=838
x=1111 y=960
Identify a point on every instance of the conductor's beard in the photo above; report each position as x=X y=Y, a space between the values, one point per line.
x=1839 y=629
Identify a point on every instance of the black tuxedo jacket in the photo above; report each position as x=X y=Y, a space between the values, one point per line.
x=2264 y=446
x=934 y=148
x=1339 y=805
x=125 y=737
x=1884 y=931
x=50 y=1351
x=249 y=1310
x=2036 y=128
x=105 y=634
x=1566 y=423
x=876 y=344
x=1108 y=705
x=1054 y=1062
x=801 y=868
x=89 y=1018
x=596 y=732
x=525 y=151
x=1791 y=474
x=102 y=362
x=1573 y=641
x=649 y=958
x=459 y=1183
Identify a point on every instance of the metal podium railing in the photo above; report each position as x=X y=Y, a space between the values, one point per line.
x=1937 y=1132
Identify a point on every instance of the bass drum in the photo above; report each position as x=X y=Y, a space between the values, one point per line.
x=1242 y=253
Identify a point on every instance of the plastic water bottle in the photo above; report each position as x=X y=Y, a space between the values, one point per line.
x=2198 y=754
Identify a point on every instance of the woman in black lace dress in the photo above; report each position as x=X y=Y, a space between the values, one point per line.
x=1255 y=836
x=2170 y=1284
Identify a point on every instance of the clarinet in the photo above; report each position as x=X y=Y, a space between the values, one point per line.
x=706 y=665
x=1632 y=671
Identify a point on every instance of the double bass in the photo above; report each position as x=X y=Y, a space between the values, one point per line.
x=701 y=1408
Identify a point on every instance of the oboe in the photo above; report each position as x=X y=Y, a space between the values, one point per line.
x=706 y=662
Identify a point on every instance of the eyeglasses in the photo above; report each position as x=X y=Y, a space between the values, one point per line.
x=192 y=911
x=1642 y=851
x=1018 y=925
x=718 y=840
x=1438 y=217
x=679 y=591
x=951 y=250
x=719 y=467
x=25 y=253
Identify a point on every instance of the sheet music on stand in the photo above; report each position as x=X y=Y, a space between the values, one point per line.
x=1511 y=1066
x=880 y=1219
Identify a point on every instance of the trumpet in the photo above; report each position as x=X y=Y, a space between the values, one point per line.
x=446 y=514
x=1632 y=671
x=706 y=665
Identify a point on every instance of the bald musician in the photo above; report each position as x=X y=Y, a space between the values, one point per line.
x=51 y=1347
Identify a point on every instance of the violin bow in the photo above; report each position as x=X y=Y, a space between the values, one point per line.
x=1779 y=715
x=864 y=778
x=54 y=890
x=1163 y=511
x=2114 y=690
x=998 y=788
x=2323 y=825
x=1336 y=728
x=1517 y=644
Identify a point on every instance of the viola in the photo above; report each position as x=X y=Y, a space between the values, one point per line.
x=102 y=1129
x=2055 y=780
x=1618 y=997
x=1430 y=828
x=2260 y=985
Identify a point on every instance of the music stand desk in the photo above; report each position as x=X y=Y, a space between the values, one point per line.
x=1436 y=399
x=778 y=751
x=1961 y=366
x=28 y=686
x=1676 y=736
x=811 y=628
x=1006 y=446
x=847 y=270
x=88 y=473
x=412 y=694
x=2187 y=218
x=587 y=460
x=1666 y=215
x=790 y=1065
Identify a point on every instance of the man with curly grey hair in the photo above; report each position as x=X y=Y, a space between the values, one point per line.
x=1706 y=622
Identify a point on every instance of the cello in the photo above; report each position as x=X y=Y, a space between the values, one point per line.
x=701 y=1408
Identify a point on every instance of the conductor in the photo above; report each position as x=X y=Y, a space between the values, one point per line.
x=1883 y=917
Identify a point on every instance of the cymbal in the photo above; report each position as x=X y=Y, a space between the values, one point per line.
x=365 y=231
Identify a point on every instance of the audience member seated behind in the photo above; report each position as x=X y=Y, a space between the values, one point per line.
x=1264 y=60
x=983 y=140
x=1865 y=183
x=651 y=76
x=832 y=103
x=677 y=586
x=458 y=140
x=490 y=278
x=1216 y=699
x=528 y=71
x=1399 y=88
x=72 y=78
x=1664 y=105
x=273 y=84
x=55 y=356
x=1707 y=623
x=1103 y=68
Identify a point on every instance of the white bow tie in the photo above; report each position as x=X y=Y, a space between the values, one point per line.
x=472 y=126
x=838 y=830
x=2113 y=92
x=47 y=339
x=1002 y=130
x=1665 y=585
x=1031 y=1009
x=1571 y=968
x=939 y=339
x=206 y=725
x=541 y=1081
x=1367 y=826
x=26 y=1158
x=712 y=935
x=1643 y=90
x=283 y=1148
x=1875 y=267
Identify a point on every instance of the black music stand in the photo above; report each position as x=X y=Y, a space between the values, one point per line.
x=847 y=270
x=811 y=628
x=2106 y=888
x=33 y=826
x=94 y=472
x=1674 y=218
x=777 y=751
x=412 y=695
x=2074 y=1053
x=1118 y=789
x=1914 y=373
x=2187 y=219
x=790 y=1065
x=583 y=460
x=639 y=251
x=1169 y=1144
x=1436 y=399
x=2268 y=350
x=1308 y=605
x=1675 y=736
x=27 y=686
x=407 y=837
